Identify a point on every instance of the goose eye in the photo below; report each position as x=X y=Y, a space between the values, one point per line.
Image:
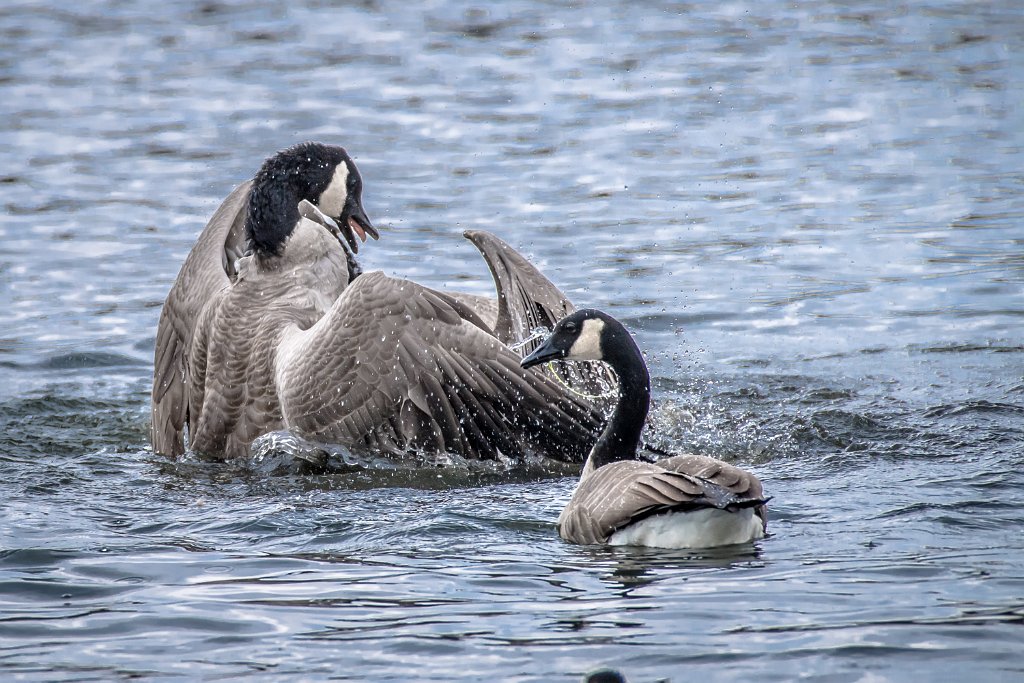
x=570 y=327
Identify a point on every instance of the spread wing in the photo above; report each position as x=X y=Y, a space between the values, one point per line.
x=397 y=366
x=486 y=307
x=622 y=493
x=206 y=271
x=528 y=300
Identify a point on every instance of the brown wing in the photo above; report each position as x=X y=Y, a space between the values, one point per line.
x=485 y=307
x=622 y=493
x=205 y=272
x=398 y=366
x=528 y=300
x=737 y=481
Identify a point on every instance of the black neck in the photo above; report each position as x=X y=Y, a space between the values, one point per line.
x=621 y=436
x=272 y=215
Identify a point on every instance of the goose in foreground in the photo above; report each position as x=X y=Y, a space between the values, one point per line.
x=685 y=501
x=271 y=324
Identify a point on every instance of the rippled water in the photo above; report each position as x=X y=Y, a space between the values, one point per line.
x=810 y=214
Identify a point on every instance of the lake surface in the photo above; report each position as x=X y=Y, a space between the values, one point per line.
x=810 y=214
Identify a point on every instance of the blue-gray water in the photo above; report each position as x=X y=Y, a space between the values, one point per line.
x=809 y=213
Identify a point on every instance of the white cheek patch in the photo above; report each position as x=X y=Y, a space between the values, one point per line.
x=588 y=345
x=332 y=200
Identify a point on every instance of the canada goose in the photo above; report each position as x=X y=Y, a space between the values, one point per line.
x=272 y=325
x=685 y=501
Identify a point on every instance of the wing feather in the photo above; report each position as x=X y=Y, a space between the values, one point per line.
x=204 y=273
x=623 y=493
x=527 y=300
x=445 y=380
x=736 y=480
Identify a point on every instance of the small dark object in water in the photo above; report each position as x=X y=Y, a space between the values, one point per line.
x=604 y=675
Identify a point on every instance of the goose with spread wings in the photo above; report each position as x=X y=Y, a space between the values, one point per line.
x=271 y=324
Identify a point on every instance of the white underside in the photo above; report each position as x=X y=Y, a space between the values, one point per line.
x=698 y=529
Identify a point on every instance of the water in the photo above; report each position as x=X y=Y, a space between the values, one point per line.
x=809 y=213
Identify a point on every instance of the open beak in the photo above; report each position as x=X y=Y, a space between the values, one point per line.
x=542 y=354
x=358 y=225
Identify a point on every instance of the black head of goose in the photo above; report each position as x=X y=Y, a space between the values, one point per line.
x=310 y=180
x=685 y=501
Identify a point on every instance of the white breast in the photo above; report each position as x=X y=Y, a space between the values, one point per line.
x=705 y=528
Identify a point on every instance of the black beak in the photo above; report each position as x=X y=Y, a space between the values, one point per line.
x=542 y=354
x=356 y=224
